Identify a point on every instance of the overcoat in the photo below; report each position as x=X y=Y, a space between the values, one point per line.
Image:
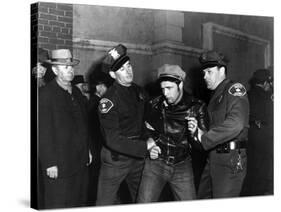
x=63 y=132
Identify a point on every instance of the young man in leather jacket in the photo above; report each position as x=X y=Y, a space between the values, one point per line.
x=167 y=120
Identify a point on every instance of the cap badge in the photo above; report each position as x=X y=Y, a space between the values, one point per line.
x=114 y=54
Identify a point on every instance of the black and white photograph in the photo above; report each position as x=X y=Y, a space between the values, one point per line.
x=132 y=105
x=140 y=105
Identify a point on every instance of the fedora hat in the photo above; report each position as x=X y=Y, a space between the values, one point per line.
x=42 y=55
x=78 y=79
x=62 y=57
x=260 y=76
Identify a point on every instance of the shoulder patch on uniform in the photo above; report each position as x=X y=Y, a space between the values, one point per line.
x=105 y=105
x=237 y=89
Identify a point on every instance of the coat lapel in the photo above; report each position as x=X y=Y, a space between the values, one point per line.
x=218 y=95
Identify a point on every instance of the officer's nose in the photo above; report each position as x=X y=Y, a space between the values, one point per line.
x=205 y=76
x=128 y=70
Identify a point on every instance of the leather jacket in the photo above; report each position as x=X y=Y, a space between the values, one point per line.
x=170 y=120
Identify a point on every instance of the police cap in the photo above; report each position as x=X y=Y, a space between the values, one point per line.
x=115 y=58
x=78 y=79
x=211 y=59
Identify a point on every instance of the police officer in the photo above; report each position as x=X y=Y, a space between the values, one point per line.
x=228 y=112
x=259 y=179
x=167 y=121
x=121 y=113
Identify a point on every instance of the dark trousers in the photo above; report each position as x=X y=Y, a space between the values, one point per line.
x=157 y=174
x=262 y=181
x=65 y=192
x=259 y=178
x=220 y=179
x=113 y=171
x=93 y=182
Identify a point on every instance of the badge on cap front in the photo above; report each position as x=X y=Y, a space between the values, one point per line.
x=114 y=53
x=237 y=89
x=105 y=105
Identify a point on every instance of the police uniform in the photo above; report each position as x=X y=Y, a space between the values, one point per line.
x=228 y=112
x=121 y=113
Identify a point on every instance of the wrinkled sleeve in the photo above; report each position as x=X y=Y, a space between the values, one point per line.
x=236 y=119
x=147 y=108
x=47 y=149
x=202 y=117
x=115 y=140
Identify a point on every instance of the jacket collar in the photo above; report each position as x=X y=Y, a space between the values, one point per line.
x=55 y=84
x=219 y=89
x=184 y=100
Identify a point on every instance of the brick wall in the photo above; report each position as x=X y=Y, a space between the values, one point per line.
x=51 y=25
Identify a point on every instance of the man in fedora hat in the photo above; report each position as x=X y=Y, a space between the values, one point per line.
x=39 y=69
x=83 y=86
x=259 y=179
x=121 y=112
x=167 y=119
x=63 y=136
x=225 y=140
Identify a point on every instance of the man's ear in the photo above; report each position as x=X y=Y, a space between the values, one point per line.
x=112 y=74
x=181 y=85
x=55 y=70
x=222 y=70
